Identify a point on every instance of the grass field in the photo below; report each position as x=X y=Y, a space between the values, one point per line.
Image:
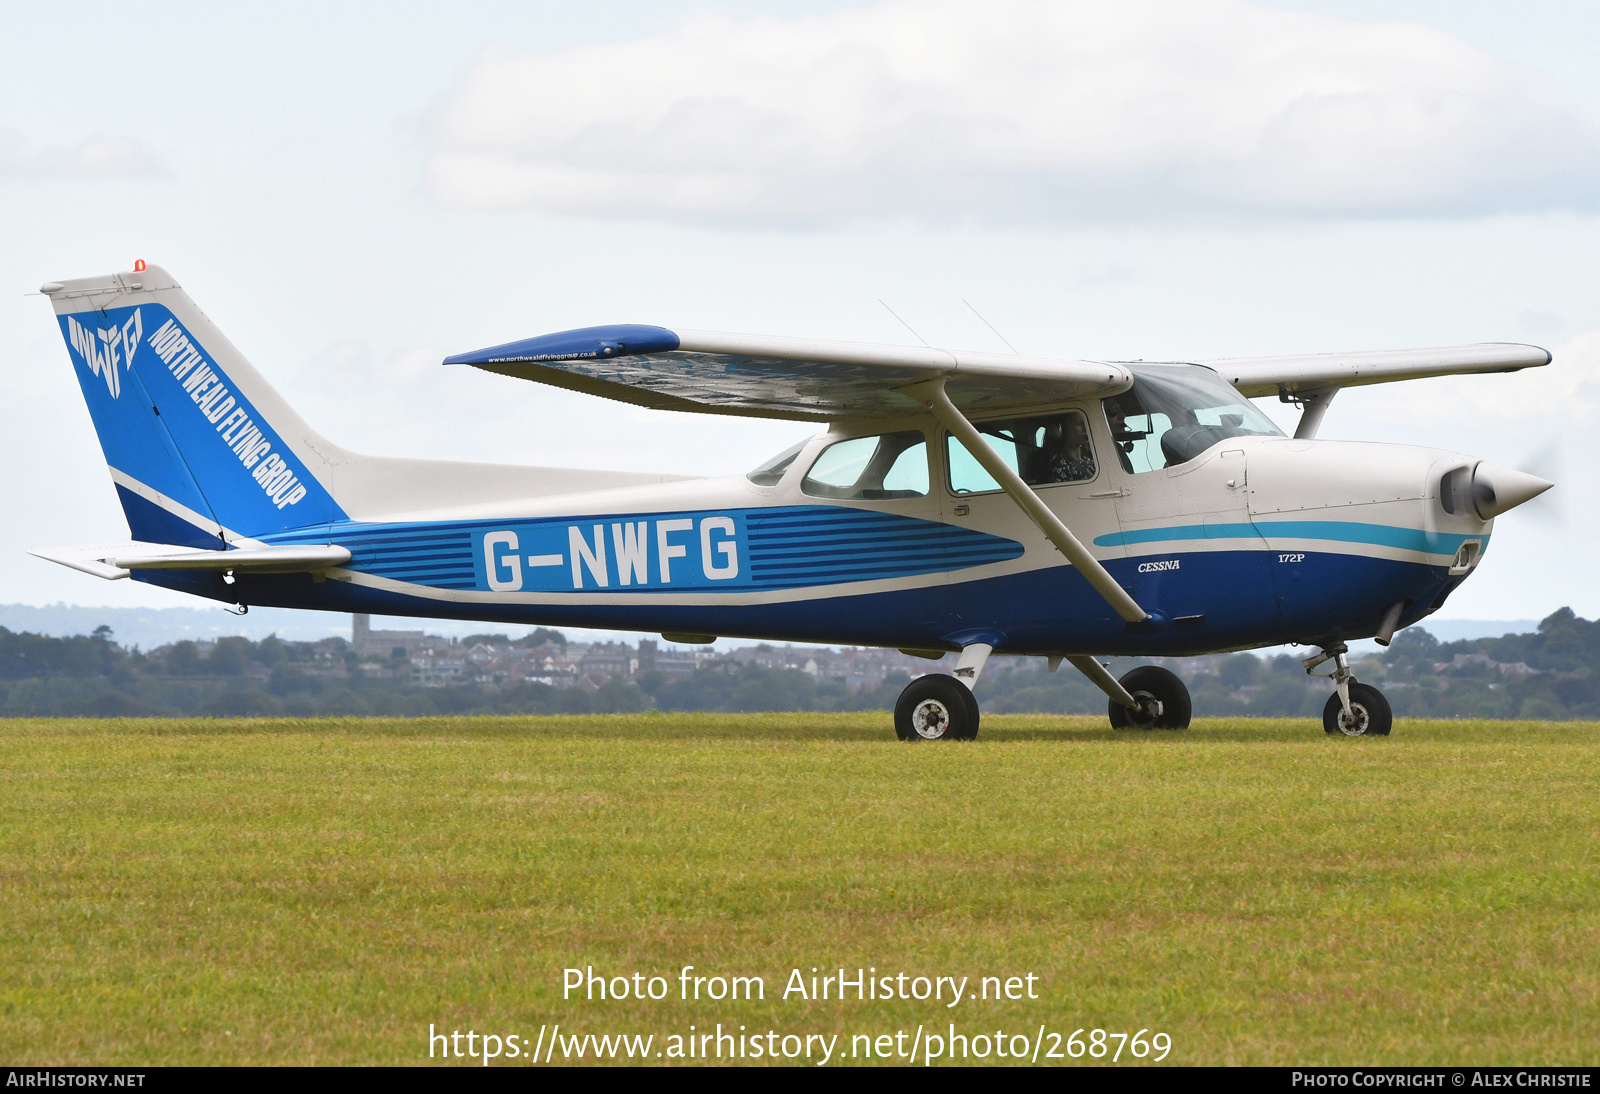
x=320 y=892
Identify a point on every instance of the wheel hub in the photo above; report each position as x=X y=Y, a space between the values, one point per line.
x=1354 y=723
x=930 y=720
x=1149 y=708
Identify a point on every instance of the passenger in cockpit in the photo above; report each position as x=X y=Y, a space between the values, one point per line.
x=1070 y=458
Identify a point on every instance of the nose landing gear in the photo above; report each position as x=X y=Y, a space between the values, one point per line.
x=1354 y=709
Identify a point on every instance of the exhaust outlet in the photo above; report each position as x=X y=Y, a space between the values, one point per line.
x=1391 y=620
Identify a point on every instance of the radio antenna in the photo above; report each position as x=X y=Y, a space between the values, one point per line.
x=992 y=327
x=906 y=325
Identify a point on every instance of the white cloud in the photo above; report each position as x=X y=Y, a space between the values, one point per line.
x=1014 y=111
x=93 y=157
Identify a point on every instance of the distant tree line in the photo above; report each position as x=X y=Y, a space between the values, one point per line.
x=1547 y=674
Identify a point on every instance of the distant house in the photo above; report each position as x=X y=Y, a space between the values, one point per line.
x=608 y=660
x=431 y=671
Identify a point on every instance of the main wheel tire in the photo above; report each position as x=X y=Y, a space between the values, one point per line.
x=936 y=708
x=1370 y=715
x=1163 y=700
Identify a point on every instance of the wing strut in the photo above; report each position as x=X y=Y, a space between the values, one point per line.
x=932 y=394
x=1100 y=678
x=1313 y=405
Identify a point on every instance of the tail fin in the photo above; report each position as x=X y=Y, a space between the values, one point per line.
x=200 y=446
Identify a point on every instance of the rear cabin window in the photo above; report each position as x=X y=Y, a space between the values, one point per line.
x=1042 y=450
x=886 y=466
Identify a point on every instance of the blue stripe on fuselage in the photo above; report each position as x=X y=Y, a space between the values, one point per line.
x=1377 y=535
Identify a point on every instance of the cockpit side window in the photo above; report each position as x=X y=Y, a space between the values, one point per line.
x=1043 y=449
x=878 y=468
x=1173 y=413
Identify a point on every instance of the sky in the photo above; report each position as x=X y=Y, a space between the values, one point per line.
x=353 y=192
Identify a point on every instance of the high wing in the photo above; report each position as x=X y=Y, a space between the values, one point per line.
x=1256 y=376
x=798 y=378
x=807 y=379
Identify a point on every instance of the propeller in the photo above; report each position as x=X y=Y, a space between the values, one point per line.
x=1547 y=463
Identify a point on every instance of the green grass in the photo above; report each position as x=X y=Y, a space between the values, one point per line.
x=194 y=891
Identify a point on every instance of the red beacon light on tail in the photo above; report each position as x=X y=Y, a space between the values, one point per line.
x=138 y=265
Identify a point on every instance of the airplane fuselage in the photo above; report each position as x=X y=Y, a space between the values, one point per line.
x=1258 y=541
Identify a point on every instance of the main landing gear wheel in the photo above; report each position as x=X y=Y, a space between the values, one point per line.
x=1163 y=701
x=1369 y=715
x=936 y=708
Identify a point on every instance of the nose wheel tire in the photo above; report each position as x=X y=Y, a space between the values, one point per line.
x=1163 y=701
x=936 y=708
x=1369 y=715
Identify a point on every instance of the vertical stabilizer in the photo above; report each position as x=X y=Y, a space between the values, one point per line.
x=201 y=448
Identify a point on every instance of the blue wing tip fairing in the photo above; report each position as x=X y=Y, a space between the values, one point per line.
x=586 y=343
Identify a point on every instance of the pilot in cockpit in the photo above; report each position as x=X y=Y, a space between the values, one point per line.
x=1122 y=439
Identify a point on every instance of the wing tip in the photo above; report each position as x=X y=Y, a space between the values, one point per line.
x=582 y=344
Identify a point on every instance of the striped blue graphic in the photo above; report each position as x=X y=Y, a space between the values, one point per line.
x=823 y=544
x=780 y=548
x=440 y=556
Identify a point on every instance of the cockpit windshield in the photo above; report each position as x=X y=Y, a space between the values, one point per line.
x=1175 y=412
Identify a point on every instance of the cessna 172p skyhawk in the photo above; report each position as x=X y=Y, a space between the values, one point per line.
x=958 y=501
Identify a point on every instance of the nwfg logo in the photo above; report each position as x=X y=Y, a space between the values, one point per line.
x=103 y=349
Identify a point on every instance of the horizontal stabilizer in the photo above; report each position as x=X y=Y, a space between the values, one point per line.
x=117 y=560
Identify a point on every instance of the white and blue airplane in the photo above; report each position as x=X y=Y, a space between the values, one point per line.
x=957 y=502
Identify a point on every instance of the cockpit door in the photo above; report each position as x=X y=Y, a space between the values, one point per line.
x=1194 y=553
